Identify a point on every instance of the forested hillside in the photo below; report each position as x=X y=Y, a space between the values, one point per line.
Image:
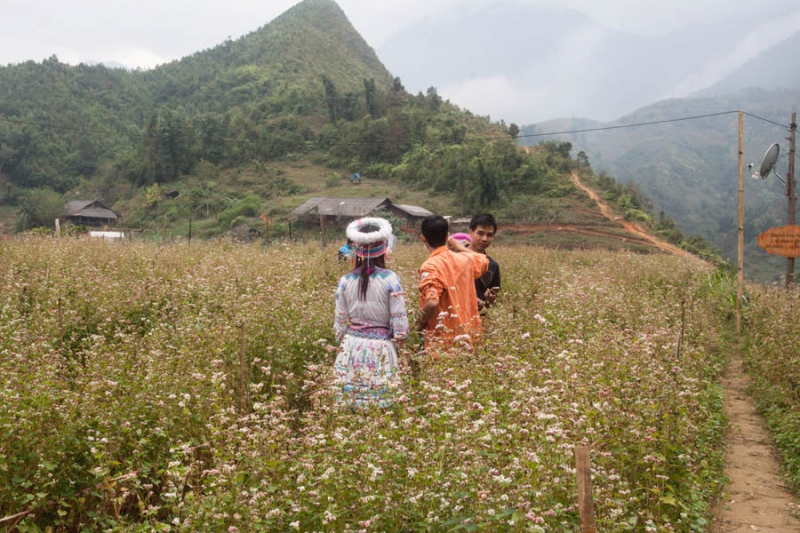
x=224 y=124
x=688 y=168
x=257 y=125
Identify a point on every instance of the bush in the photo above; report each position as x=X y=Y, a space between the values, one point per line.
x=39 y=207
x=249 y=206
x=332 y=179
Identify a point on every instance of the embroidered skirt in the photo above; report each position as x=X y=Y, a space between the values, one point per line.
x=366 y=371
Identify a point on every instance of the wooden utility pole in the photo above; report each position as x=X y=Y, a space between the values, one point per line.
x=740 y=259
x=791 y=196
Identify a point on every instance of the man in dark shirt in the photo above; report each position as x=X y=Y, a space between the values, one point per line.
x=482 y=229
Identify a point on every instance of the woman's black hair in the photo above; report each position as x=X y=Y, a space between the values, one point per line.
x=363 y=275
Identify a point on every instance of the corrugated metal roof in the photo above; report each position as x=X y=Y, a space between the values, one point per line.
x=95 y=213
x=413 y=210
x=89 y=209
x=346 y=207
x=76 y=205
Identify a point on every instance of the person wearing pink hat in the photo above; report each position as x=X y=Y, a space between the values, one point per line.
x=370 y=320
x=463 y=238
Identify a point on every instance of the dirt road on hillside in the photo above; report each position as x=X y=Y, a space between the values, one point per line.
x=632 y=228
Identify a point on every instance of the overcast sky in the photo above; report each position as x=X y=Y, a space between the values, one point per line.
x=145 y=33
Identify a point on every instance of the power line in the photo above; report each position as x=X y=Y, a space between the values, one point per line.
x=530 y=135
x=634 y=125
x=52 y=126
x=766 y=120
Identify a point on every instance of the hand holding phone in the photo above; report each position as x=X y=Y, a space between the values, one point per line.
x=491 y=294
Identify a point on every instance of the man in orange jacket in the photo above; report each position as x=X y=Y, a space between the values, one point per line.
x=447 y=294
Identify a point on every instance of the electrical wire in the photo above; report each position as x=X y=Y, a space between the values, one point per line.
x=634 y=125
x=766 y=120
x=374 y=143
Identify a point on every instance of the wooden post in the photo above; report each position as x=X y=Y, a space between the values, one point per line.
x=242 y=372
x=740 y=258
x=583 y=469
x=164 y=232
x=683 y=330
x=265 y=218
x=322 y=229
x=792 y=198
x=190 y=230
x=60 y=326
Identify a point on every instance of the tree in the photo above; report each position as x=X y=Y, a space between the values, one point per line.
x=433 y=98
x=331 y=98
x=513 y=130
x=39 y=207
x=350 y=106
x=151 y=146
x=177 y=136
x=371 y=97
x=396 y=94
x=8 y=156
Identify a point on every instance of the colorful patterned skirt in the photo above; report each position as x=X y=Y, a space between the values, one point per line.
x=366 y=371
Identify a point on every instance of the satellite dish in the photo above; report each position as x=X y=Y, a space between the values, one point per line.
x=768 y=163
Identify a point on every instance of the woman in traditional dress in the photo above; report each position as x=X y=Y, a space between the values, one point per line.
x=371 y=323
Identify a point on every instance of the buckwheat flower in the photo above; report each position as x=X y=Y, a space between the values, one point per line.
x=526 y=336
x=295 y=524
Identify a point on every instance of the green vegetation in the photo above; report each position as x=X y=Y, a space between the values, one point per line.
x=188 y=388
x=258 y=125
x=305 y=88
x=772 y=359
x=637 y=207
x=689 y=168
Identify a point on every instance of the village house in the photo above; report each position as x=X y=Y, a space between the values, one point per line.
x=339 y=212
x=90 y=213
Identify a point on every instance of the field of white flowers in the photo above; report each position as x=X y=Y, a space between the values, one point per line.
x=177 y=388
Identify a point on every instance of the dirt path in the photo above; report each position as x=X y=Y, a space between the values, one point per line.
x=632 y=228
x=755 y=498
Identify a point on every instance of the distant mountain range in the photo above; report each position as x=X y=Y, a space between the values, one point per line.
x=307 y=87
x=545 y=62
x=689 y=167
x=556 y=61
x=776 y=68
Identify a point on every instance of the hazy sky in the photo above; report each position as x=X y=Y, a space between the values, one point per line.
x=144 y=33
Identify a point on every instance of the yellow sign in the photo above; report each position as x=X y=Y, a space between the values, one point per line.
x=783 y=241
